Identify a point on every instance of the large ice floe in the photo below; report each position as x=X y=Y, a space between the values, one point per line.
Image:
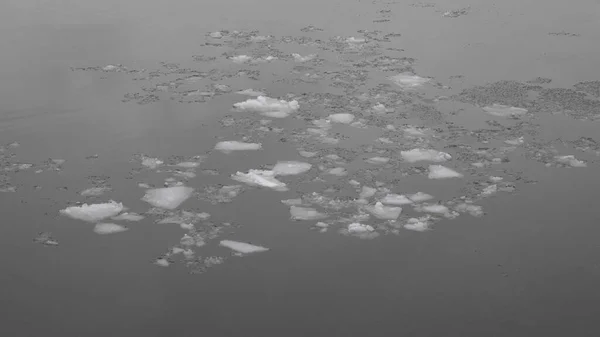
x=415 y=155
x=442 y=172
x=242 y=247
x=93 y=212
x=233 y=145
x=269 y=107
x=263 y=178
x=168 y=197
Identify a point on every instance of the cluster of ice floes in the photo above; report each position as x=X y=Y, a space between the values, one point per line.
x=96 y=213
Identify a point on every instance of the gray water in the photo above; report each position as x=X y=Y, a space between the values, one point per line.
x=528 y=267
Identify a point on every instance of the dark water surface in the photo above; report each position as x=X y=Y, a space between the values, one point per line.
x=529 y=267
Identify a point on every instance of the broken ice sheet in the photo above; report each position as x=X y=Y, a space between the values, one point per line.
x=151 y=163
x=46 y=239
x=442 y=172
x=415 y=155
x=262 y=178
x=93 y=212
x=377 y=160
x=230 y=146
x=242 y=247
x=306 y=213
x=269 y=107
x=286 y=168
x=168 y=197
x=500 y=110
x=408 y=80
x=109 y=228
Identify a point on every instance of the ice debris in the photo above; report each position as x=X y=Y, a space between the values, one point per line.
x=230 y=146
x=408 y=80
x=95 y=191
x=383 y=212
x=442 y=172
x=269 y=107
x=109 y=228
x=264 y=178
x=420 y=197
x=250 y=92
x=306 y=213
x=415 y=155
x=359 y=230
x=242 y=247
x=168 y=197
x=419 y=224
x=500 y=110
x=300 y=58
x=239 y=59
x=46 y=239
x=93 y=212
x=570 y=160
x=286 y=168
x=473 y=210
x=128 y=217
x=395 y=199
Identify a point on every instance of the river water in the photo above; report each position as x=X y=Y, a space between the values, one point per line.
x=112 y=100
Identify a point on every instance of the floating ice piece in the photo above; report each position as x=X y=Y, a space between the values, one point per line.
x=415 y=155
x=306 y=213
x=262 y=178
x=95 y=191
x=292 y=202
x=420 y=197
x=188 y=164
x=396 y=199
x=414 y=131
x=93 y=212
x=168 y=197
x=184 y=217
x=287 y=168
x=516 y=141
x=251 y=92
x=496 y=179
x=242 y=247
x=367 y=192
x=384 y=212
x=352 y=39
x=269 y=107
x=570 y=160
x=239 y=59
x=359 y=230
x=380 y=108
x=421 y=224
x=342 y=118
x=151 y=163
x=128 y=217
x=338 y=171
x=474 y=210
x=408 y=80
x=162 y=262
x=377 y=160
x=442 y=172
x=300 y=58
x=500 y=110
x=45 y=239
x=233 y=145
x=307 y=154
x=436 y=209
x=109 y=228
x=216 y=35
x=489 y=190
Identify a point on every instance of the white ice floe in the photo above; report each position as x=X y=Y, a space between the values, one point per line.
x=109 y=228
x=168 y=197
x=242 y=247
x=128 y=217
x=516 y=141
x=338 y=171
x=474 y=210
x=287 y=168
x=500 y=110
x=420 y=197
x=188 y=164
x=233 y=145
x=342 y=118
x=489 y=190
x=359 y=230
x=251 y=92
x=436 y=209
x=162 y=262
x=442 y=172
x=380 y=211
x=307 y=154
x=93 y=212
x=151 y=163
x=570 y=160
x=380 y=108
x=415 y=155
x=352 y=39
x=408 y=80
x=262 y=178
x=239 y=59
x=367 y=192
x=306 y=213
x=418 y=224
x=269 y=107
x=377 y=160
x=414 y=131
x=300 y=58
x=94 y=191
x=396 y=199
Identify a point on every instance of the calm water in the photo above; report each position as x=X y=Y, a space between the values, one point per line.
x=529 y=267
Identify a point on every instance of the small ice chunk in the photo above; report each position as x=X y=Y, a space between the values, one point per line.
x=380 y=108
x=352 y=39
x=570 y=160
x=94 y=191
x=415 y=155
x=442 y=172
x=151 y=163
x=239 y=59
x=474 y=210
x=216 y=35
x=300 y=58
x=338 y=171
x=360 y=228
x=287 y=168
x=242 y=247
x=408 y=80
x=109 y=228
x=384 y=212
x=342 y=118
x=292 y=202
x=262 y=178
x=516 y=141
x=489 y=190
x=421 y=224
x=396 y=199
x=307 y=154
x=230 y=146
x=500 y=110
x=436 y=209
x=251 y=92
x=377 y=160
x=168 y=197
x=93 y=212
x=188 y=164
x=306 y=213
x=45 y=239
x=420 y=197
x=269 y=107
x=128 y=217
x=496 y=179
x=414 y=132
x=367 y=192
x=162 y=262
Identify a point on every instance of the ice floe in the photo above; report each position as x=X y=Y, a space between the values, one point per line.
x=242 y=247
x=570 y=160
x=269 y=107
x=500 y=110
x=230 y=146
x=251 y=92
x=95 y=191
x=287 y=168
x=395 y=199
x=264 y=178
x=473 y=210
x=377 y=160
x=46 y=239
x=442 y=172
x=436 y=209
x=408 y=80
x=420 y=197
x=419 y=224
x=360 y=230
x=109 y=228
x=306 y=213
x=168 y=197
x=300 y=58
x=342 y=118
x=239 y=59
x=93 y=212
x=415 y=155
x=128 y=217
x=380 y=211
